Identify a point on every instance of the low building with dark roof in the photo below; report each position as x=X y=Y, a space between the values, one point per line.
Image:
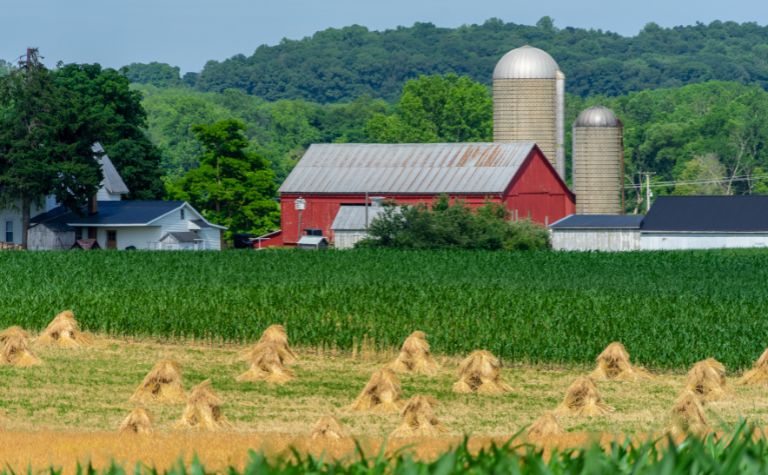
x=672 y=223
x=597 y=232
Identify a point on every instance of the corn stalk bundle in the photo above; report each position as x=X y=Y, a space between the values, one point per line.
x=14 y=348
x=706 y=380
x=64 y=332
x=688 y=414
x=266 y=365
x=162 y=385
x=277 y=336
x=613 y=364
x=415 y=356
x=480 y=373
x=328 y=428
x=545 y=426
x=418 y=419
x=758 y=375
x=203 y=409
x=583 y=399
x=382 y=393
x=137 y=422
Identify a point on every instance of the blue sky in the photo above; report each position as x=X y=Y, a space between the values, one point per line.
x=187 y=33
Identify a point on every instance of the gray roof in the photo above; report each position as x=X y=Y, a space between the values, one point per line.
x=112 y=181
x=352 y=218
x=312 y=240
x=599 y=221
x=470 y=168
x=183 y=236
x=597 y=116
x=526 y=62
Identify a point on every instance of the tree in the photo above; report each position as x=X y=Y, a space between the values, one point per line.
x=232 y=186
x=123 y=136
x=46 y=135
x=437 y=109
x=705 y=175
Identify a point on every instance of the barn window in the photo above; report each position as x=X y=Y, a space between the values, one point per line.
x=9 y=231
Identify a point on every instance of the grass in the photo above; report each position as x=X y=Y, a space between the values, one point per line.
x=548 y=307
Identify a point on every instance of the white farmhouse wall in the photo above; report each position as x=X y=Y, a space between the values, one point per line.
x=12 y=212
x=348 y=239
x=693 y=240
x=211 y=238
x=104 y=195
x=595 y=240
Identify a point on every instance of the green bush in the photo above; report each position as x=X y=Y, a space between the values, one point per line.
x=453 y=226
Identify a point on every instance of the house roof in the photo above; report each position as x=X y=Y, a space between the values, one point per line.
x=352 y=218
x=599 y=221
x=708 y=214
x=112 y=180
x=474 y=168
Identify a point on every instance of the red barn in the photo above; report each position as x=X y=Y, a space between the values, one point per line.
x=328 y=176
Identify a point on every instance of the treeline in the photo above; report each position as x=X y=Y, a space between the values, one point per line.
x=340 y=65
x=700 y=138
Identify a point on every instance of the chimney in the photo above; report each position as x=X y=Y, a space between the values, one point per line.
x=93 y=205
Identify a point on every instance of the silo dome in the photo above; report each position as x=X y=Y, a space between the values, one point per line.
x=597 y=116
x=526 y=62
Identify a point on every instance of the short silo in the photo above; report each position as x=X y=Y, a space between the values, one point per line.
x=529 y=102
x=598 y=162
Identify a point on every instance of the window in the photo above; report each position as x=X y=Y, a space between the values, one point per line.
x=182 y=213
x=78 y=234
x=314 y=232
x=9 y=231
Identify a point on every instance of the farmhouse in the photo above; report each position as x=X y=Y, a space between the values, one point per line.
x=673 y=223
x=332 y=177
x=111 y=223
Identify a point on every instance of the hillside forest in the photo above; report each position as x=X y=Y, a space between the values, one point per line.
x=693 y=101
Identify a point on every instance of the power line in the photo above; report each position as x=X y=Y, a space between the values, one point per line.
x=661 y=184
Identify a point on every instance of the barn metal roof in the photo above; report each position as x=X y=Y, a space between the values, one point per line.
x=352 y=218
x=708 y=214
x=599 y=221
x=112 y=180
x=471 y=168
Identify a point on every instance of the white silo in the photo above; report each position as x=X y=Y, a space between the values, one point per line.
x=529 y=102
x=598 y=162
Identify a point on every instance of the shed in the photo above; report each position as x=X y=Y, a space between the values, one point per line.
x=182 y=240
x=706 y=222
x=329 y=176
x=312 y=242
x=597 y=232
x=351 y=224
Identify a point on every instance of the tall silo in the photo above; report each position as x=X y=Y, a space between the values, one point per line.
x=529 y=102
x=598 y=162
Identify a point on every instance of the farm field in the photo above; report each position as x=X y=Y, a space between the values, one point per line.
x=670 y=309
x=69 y=408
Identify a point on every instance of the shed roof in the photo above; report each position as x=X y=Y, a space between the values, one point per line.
x=312 y=240
x=471 y=168
x=708 y=214
x=112 y=180
x=182 y=236
x=599 y=221
x=352 y=218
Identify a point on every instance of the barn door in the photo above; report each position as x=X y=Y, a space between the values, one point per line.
x=111 y=239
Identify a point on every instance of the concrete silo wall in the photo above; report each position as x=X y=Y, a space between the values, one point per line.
x=598 y=170
x=527 y=110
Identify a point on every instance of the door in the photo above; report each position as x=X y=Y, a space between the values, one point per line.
x=111 y=239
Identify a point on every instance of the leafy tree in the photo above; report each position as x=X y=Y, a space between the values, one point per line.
x=705 y=176
x=437 y=108
x=123 y=136
x=232 y=186
x=449 y=225
x=46 y=134
x=157 y=74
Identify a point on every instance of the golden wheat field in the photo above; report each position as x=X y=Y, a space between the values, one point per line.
x=69 y=408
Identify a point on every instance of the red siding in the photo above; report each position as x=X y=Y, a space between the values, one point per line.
x=536 y=191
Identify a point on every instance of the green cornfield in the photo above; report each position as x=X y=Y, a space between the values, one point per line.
x=670 y=309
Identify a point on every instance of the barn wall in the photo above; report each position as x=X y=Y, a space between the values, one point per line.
x=673 y=241
x=595 y=240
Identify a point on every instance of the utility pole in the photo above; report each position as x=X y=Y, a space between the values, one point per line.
x=648 y=193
